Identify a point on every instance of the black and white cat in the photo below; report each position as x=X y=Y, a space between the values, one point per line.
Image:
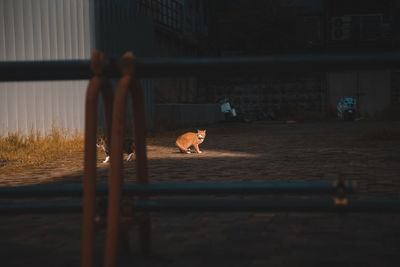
x=128 y=148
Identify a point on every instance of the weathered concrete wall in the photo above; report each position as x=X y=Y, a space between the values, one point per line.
x=254 y=95
x=188 y=114
x=315 y=92
x=372 y=89
x=395 y=85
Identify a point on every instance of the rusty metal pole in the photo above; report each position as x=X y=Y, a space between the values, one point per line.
x=89 y=182
x=141 y=161
x=127 y=66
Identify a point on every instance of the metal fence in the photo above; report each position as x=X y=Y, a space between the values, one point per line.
x=154 y=67
x=197 y=66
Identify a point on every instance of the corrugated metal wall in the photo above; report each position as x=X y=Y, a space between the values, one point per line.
x=56 y=30
x=41 y=106
x=43 y=30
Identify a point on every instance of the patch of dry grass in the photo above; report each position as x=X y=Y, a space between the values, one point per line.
x=19 y=153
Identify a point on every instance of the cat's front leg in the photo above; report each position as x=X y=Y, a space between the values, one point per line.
x=130 y=156
x=196 y=147
x=107 y=159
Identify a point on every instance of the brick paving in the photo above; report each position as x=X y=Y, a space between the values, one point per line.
x=242 y=152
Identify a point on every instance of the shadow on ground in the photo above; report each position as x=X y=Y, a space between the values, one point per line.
x=261 y=152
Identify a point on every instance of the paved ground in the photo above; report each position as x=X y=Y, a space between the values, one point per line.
x=243 y=152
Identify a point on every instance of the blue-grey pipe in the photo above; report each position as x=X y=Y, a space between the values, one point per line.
x=216 y=205
x=192 y=188
x=265 y=205
x=195 y=66
x=40 y=207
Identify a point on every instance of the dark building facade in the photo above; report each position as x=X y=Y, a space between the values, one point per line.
x=179 y=27
x=276 y=27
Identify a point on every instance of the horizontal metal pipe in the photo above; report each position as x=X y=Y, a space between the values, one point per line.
x=40 y=207
x=215 y=205
x=153 y=67
x=264 y=205
x=163 y=67
x=45 y=70
x=49 y=190
x=240 y=188
x=189 y=188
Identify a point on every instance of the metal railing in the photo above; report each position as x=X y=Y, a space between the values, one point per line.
x=197 y=66
x=129 y=70
x=97 y=84
x=188 y=189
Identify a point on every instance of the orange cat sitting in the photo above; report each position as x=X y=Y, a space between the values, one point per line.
x=187 y=140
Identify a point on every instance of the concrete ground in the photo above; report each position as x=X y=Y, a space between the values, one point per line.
x=368 y=152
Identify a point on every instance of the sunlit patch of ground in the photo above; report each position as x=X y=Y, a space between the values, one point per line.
x=163 y=152
x=243 y=151
x=363 y=152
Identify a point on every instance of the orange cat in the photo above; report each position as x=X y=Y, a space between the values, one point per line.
x=187 y=140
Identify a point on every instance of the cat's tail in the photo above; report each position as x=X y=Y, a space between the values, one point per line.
x=181 y=148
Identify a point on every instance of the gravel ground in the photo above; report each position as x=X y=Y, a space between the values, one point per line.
x=238 y=152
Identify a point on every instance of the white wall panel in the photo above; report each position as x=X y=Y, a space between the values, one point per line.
x=22 y=108
x=9 y=30
x=54 y=108
x=80 y=35
x=44 y=30
x=74 y=29
x=28 y=27
x=3 y=110
x=67 y=32
x=59 y=21
x=41 y=106
x=12 y=108
x=19 y=30
x=37 y=31
x=62 y=117
x=57 y=30
x=2 y=31
x=52 y=21
x=30 y=106
x=47 y=107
